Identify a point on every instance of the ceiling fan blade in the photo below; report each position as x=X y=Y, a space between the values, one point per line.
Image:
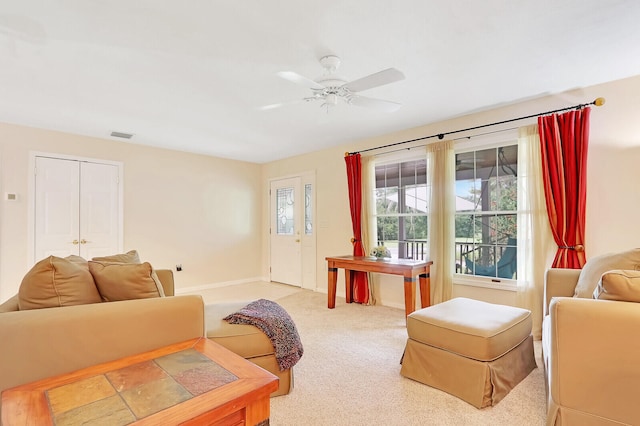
x=379 y=104
x=271 y=106
x=280 y=105
x=390 y=75
x=298 y=79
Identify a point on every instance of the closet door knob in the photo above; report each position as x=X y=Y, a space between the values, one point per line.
x=74 y=242
x=83 y=241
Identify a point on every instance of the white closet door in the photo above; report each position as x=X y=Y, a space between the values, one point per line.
x=99 y=219
x=57 y=202
x=77 y=208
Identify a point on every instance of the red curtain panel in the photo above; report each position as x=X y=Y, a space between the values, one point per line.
x=564 y=140
x=354 y=178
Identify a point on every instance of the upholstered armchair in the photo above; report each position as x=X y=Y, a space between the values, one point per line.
x=590 y=342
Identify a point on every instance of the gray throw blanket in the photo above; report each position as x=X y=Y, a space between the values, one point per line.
x=276 y=323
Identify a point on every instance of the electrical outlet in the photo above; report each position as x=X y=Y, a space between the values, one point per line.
x=179 y=267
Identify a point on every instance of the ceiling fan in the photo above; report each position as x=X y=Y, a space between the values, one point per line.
x=331 y=88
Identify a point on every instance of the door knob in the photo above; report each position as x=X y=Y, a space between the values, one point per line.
x=83 y=241
x=74 y=242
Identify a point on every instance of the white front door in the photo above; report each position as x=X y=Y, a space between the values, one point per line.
x=286 y=227
x=76 y=208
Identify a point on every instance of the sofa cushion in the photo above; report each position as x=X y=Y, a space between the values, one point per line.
x=129 y=257
x=56 y=281
x=124 y=281
x=598 y=265
x=620 y=285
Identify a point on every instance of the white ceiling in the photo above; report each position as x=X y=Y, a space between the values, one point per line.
x=191 y=75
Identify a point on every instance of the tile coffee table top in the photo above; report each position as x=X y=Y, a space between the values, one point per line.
x=122 y=396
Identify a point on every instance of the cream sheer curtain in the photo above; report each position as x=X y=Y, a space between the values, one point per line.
x=441 y=177
x=369 y=232
x=535 y=240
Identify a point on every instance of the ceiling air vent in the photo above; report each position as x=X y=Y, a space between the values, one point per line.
x=122 y=135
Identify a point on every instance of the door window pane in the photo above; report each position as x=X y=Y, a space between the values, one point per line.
x=308 y=217
x=284 y=211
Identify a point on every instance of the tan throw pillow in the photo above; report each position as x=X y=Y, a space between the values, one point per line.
x=619 y=285
x=55 y=281
x=125 y=281
x=129 y=257
x=598 y=265
x=77 y=259
x=10 y=305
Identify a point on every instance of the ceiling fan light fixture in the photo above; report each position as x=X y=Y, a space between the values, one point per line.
x=330 y=101
x=330 y=87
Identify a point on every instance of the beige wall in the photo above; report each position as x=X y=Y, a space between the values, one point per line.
x=613 y=198
x=200 y=211
x=211 y=215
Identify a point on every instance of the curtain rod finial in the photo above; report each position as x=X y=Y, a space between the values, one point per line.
x=346 y=154
x=599 y=102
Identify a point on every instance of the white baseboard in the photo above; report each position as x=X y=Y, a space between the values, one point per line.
x=217 y=285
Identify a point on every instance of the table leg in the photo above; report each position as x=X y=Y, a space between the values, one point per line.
x=331 y=286
x=348 y=285
x=425 y=290
x=257 y=413
x=409 y=295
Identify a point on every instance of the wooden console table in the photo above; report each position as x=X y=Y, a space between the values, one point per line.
x=405 y=267
x=190 y=383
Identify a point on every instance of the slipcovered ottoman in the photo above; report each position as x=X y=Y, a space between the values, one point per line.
x=245 y=340
x=474 y=350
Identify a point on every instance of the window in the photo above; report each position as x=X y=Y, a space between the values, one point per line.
x=308 y=211
x=401 y=208
x=486 y=212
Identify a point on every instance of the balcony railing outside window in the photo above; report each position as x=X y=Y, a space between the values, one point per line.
x=407 y=249
x=498 y=261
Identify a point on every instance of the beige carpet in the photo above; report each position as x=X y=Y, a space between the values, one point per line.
x=350 y=375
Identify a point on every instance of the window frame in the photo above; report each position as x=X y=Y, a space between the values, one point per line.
x=479 y=143
x=397 y=158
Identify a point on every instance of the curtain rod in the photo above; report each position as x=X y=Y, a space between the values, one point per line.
x=596 y=102
x=456 y=139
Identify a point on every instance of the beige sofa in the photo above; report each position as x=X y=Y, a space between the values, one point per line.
x=39 y=343
x=591 y=350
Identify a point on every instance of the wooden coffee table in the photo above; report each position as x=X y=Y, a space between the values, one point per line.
x=195 y=382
